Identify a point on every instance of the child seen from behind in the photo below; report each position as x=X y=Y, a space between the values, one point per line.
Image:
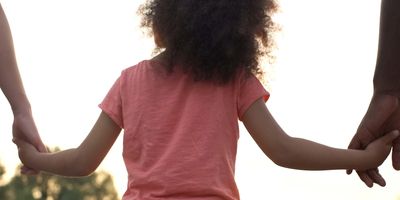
x=180 y=110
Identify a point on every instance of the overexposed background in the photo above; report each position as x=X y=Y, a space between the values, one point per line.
x=71 y=51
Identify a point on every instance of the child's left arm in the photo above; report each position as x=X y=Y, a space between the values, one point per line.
x=299 y=153
x=80 y=161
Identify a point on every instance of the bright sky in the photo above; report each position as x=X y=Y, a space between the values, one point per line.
x=70 y=53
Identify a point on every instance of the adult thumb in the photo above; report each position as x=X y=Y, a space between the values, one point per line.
x=388 y=138
x=40 y=146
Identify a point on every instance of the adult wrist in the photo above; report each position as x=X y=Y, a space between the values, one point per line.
x=22 y=107
x=381 y=91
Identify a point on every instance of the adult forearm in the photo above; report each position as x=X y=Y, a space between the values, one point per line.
x=10 y=80
x=387 y=72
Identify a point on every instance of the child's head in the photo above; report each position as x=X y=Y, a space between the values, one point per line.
x=212 y=39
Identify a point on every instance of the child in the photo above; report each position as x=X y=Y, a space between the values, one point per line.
x=180 y=110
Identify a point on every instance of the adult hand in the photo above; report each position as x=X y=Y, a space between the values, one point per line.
x=24 y=128
x=382 y=117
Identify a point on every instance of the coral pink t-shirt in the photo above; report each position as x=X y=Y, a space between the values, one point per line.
x=180 y=136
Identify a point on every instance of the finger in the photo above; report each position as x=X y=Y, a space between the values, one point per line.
x=365 y=178
x=396 y=154
x=37 y=142
x=390 y=137
x=28 y=171
x=349 y=171
x=355 y=142
x=42 y=148
x=376 y=177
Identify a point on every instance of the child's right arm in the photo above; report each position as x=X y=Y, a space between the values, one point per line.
x=80 y=161
x=303 y=154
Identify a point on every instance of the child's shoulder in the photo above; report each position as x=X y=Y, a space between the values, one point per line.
x=144 y=68
x=138 y=66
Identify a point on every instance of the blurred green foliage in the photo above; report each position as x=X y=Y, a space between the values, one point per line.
x=98 y=186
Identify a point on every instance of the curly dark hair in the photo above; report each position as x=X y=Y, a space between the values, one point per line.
x=212 y=39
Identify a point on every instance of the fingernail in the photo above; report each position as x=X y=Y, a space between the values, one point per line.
x=395 y=132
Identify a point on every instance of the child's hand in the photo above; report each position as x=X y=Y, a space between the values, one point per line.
x=26 y=152
x=379 y=149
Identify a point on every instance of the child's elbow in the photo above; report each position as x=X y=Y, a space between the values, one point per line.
x=281 y=155
x=280 y=159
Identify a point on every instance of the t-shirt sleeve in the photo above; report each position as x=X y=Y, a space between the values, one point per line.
x=112 y=103
x=250 y=90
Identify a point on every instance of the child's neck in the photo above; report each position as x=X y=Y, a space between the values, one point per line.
x=161 y=57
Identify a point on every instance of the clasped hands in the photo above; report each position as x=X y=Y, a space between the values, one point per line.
x=383 y=116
